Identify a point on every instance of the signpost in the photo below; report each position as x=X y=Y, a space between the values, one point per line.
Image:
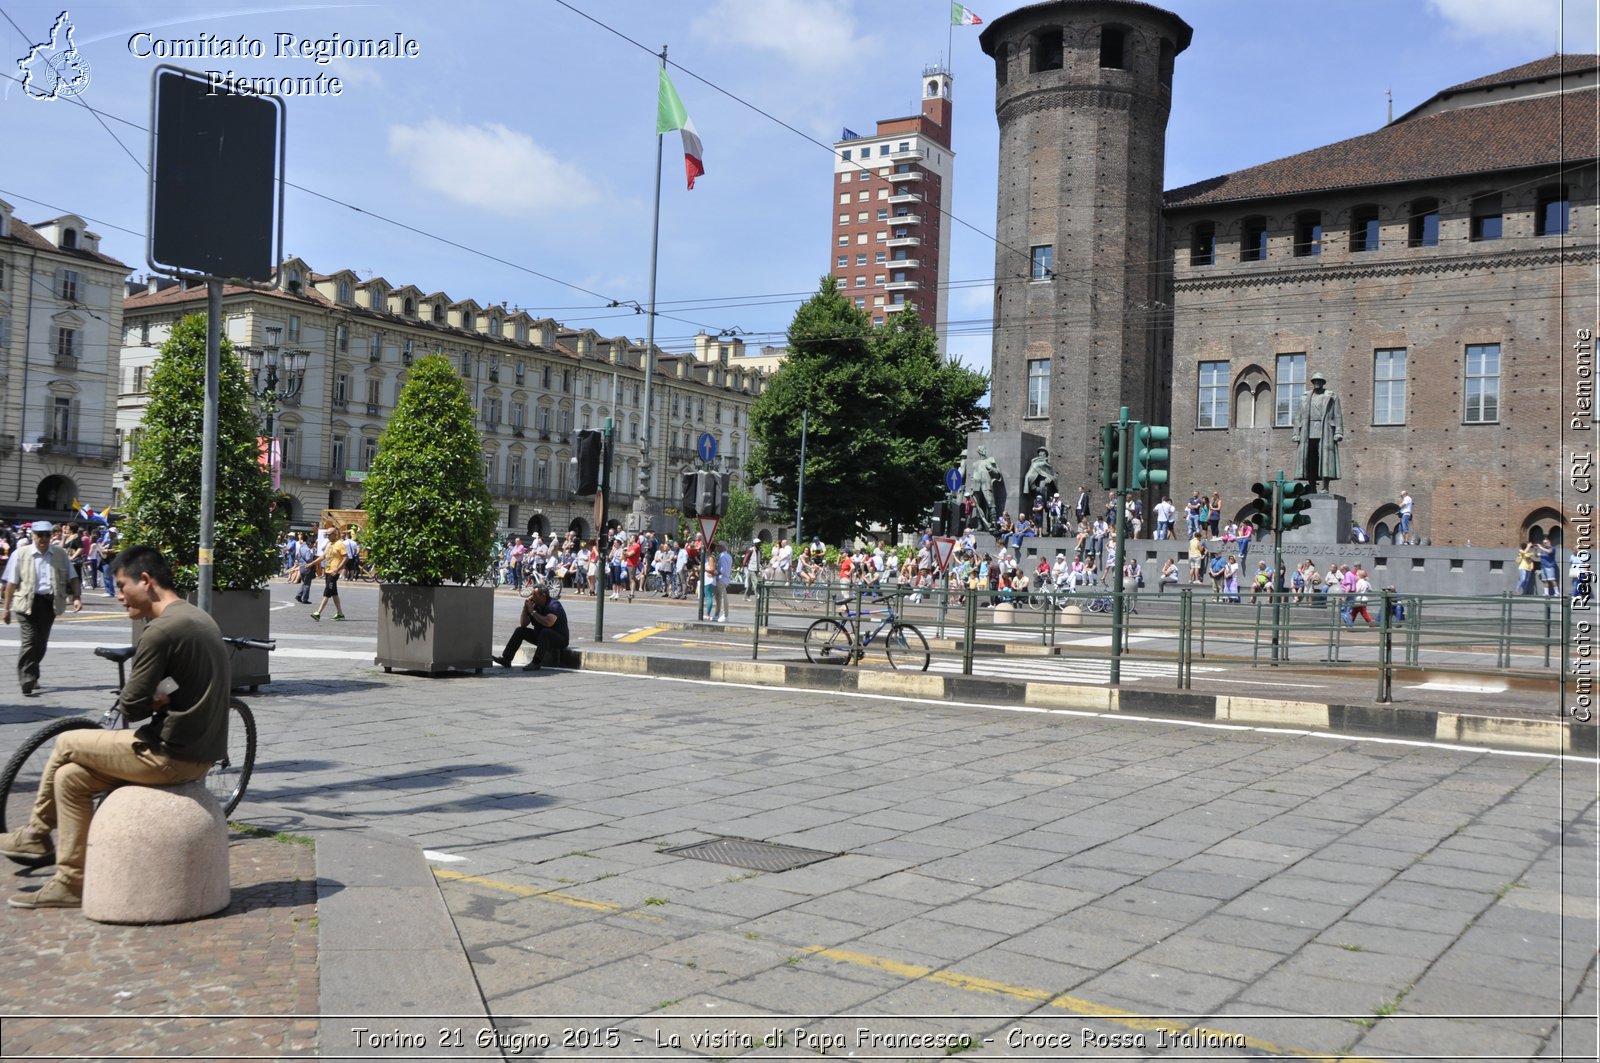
x=216 y=212
x=706 y=447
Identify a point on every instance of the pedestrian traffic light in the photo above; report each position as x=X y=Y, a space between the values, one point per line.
x=1263 y=510
x=1293 y=505
x=1150 y=454
x=1110 y=456
x=590 y=444
x=689 y=494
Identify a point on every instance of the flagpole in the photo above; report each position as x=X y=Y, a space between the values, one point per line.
x=650 y=332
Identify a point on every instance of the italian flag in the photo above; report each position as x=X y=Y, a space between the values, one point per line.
x=670 y=115
x=960 y=16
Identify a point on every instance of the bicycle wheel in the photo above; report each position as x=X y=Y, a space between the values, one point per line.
x=19 y=783
x=552 y=586
x=906 y=648
x=827 y=642
x=807 y=598
x=229 y=776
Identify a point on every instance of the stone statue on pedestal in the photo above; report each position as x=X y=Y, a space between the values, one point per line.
x=1318 y=431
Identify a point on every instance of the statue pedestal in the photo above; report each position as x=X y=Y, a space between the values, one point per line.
x=1014 y=452
x=1330 y=522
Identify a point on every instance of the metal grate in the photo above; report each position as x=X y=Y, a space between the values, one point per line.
x=754 y=855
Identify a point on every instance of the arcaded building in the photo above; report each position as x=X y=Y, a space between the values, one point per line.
x=1436 y=271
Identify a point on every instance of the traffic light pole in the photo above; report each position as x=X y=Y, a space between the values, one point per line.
x=603 y=568
x=1124 y=430
x=1280 y=642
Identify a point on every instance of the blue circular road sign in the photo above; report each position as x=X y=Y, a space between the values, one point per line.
x=953 y=480
x=706 y=447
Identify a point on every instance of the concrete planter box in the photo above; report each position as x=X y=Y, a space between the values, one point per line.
x=435 y=629
x=240 y=614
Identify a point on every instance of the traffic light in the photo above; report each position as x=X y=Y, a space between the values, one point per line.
x=1150 y=454
x=689 y=494
x=711 y=494
x=1264 y=509
x=1110 y=456
x=1293 y=505
x=590 y=443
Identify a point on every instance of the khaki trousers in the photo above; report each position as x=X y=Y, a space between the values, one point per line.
x=89 y=762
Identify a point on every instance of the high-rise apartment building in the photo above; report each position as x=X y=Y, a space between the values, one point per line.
x=891 y=195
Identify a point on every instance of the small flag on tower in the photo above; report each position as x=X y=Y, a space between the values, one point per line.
x=960 y=16
x=670 y=115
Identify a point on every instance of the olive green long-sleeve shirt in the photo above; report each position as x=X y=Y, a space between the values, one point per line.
x=184 y=643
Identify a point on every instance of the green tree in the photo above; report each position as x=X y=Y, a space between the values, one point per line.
x=163 y=508
x=430 y=519
x=885 y=415
x=739 y=522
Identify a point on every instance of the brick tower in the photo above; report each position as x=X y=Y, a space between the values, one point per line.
x=1083 y=89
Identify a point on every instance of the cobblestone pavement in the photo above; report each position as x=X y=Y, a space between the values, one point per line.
x=100 y=991
x=1011 y=876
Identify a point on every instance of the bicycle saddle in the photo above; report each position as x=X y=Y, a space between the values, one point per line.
x=114 y=653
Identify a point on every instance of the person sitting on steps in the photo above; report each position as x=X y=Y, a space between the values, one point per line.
x=543 y=623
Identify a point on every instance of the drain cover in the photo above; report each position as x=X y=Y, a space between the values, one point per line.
x=746 y=853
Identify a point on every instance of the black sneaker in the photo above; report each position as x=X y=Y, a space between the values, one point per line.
x=532 y=666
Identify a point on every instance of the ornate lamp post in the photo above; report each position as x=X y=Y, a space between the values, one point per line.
x=264 y=364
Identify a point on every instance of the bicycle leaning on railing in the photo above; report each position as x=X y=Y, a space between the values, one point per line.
x=830 y=641
x=227 y=779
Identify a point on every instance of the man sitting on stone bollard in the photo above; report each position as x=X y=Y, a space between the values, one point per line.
x=187 y=732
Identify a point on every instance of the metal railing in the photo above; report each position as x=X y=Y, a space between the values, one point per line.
x=1172 y=631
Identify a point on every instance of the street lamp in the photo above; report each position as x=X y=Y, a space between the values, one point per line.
x=264 y=363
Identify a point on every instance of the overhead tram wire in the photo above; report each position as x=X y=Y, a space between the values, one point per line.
x=1164 y=266
x=1023 y=255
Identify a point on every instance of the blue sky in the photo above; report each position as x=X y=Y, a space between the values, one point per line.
x=525 y=132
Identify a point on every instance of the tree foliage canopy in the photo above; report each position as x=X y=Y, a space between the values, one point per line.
x=164 y=493
x=887 y=416
x=430 y=518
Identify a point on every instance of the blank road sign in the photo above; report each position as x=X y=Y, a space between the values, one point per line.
x=213 y=197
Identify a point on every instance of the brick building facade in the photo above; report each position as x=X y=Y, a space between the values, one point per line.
x=1434 y=271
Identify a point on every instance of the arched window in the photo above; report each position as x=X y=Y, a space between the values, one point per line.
x=1424 y=222
x=1048 y=53
x=1252 y=399
x=1308 y=233
x=1554 y=215
x=1364 y=228
x=1543 y=524
x=1253 y=239
x=1488 y=223
x=69 y=239
x=1384 y=523
x=1113 y=43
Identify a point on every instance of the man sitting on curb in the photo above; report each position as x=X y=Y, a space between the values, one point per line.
x=543 y=623
x=188 y=729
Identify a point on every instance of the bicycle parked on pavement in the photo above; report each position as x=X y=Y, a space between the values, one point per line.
x=227 y=779
x=840 y=641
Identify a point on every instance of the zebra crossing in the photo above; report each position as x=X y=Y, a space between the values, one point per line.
x=1065 y=669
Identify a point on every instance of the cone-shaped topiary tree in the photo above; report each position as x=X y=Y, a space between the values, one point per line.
x=163 y=507
x=430 y=519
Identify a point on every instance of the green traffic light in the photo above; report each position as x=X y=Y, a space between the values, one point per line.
x=1110 y=456
x=1149 y=453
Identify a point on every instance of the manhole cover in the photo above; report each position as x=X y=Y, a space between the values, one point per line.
x=757 y=856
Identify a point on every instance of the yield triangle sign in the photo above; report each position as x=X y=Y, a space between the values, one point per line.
x=942 y=549
x=708 y=529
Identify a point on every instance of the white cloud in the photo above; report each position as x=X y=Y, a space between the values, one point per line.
x=813 y=35
x=489 y=166
x=1531 y=19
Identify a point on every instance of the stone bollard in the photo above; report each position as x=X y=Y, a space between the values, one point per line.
x=157 y=854
x=1071 y=616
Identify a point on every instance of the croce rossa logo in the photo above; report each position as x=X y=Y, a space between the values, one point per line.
x=54 y=69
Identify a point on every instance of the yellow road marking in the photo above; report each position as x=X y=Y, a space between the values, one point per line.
x=1076 y=1005
x=644 y=633
x=953 y=979
x=528 y=891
